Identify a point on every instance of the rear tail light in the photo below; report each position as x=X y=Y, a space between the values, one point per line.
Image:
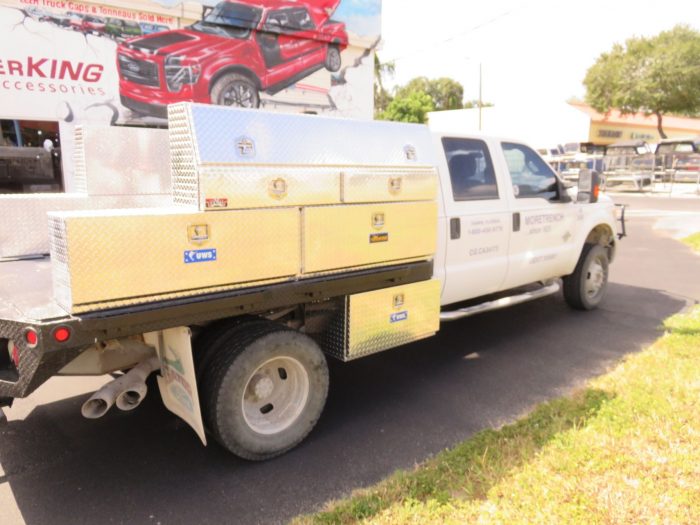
x=14 y=354
x=61 y=334
x=31 y=337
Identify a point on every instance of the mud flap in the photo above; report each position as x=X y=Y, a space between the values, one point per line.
x=177 y=381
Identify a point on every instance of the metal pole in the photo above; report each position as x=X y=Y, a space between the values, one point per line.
x=480 y=101
x=18 y=133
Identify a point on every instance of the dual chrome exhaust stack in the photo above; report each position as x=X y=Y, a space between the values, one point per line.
x=127 y=391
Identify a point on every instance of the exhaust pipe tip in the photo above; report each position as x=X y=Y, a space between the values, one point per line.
x=95 y=408
x=132 y=397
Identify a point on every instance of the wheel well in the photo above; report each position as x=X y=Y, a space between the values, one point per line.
x=603 y=235
x=234 y=69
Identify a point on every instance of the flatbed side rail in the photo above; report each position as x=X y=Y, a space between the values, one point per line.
x=39 y=362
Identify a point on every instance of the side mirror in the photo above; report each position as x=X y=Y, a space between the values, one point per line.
x=588 y=186
x=562 y=192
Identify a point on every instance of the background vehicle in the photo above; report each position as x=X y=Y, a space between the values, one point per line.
x=30 y=156
x=149 y=29
x=673 y=155
x=687 y=169
x=628 y=164
x=428 y=227
x=75 y=21
x=121 y=29
x=237 y=50
x=93 y=24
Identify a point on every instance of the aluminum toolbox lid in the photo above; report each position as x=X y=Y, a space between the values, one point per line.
x=223 y=135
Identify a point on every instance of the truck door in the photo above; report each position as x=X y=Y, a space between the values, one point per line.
x=288 y=36
x=478 y=221
x=542 y=238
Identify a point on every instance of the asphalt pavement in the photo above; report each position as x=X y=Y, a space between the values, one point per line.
x=384 y=412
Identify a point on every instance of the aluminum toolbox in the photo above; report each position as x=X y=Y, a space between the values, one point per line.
x=124 y=257
x=237 y=158
x=115 y=167
x=336 y=237
x=119 y=160
x=382 y=184
x=373 y=321
x=24 y=224
x=238 y=187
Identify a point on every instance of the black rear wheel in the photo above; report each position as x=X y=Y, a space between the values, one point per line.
x=333 y=60
x=264 y=389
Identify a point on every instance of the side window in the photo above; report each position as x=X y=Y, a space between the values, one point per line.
x=289 y=20
x=278 y=21
x=302 y=20
x=531 y=176
x=471 y=169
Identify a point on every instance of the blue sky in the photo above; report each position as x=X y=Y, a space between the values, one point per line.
x=531 y=51
x=362 y=17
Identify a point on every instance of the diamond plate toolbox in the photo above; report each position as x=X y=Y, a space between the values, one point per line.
x=124 y=257
x=367 y=234
x=225 y=158
x=119 y=160
x=374 y=321
x=24 y=230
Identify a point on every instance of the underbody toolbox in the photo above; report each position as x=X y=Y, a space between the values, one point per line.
x=374 y=321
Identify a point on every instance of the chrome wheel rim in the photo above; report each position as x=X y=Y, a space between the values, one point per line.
x=334 y=59
x=275 y=395
x=238 y=94
x=595 y=278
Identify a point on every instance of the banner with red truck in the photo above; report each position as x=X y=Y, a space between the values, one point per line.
x=123 y=63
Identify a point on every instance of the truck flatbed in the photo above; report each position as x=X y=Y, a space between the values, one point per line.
x=29 y=283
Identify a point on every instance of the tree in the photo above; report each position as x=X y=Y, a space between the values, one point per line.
x=411 y=107
x=471 y=104
x=445 y=92
x=655 y=76
x=382 y=98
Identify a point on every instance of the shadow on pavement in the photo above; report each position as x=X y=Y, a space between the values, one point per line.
x=384 y=412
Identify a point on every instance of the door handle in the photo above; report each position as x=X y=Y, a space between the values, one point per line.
x=516 y=221
x=455 y=228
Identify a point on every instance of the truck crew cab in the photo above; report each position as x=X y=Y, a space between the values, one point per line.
x=238 y=49
x=287 y=245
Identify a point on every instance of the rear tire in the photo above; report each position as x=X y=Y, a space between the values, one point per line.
x=333 y=60
x=264 y=389
x=585 y=288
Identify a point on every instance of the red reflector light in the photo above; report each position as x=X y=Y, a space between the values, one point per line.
x=596 y=192
x=15 y=355
x=61 y=334
x=31 y=337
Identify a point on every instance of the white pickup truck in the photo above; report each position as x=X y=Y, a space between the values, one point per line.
x=479 y=222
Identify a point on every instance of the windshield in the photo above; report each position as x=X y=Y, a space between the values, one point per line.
x=230 y=20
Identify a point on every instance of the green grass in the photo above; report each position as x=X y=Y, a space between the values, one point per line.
x=625 y=449
x=693 y=241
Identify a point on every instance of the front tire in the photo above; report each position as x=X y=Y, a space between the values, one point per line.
x=264 y=389
x=235 y=90
x=585 y=288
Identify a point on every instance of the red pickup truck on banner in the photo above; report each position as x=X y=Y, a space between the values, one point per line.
x=237 y=50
